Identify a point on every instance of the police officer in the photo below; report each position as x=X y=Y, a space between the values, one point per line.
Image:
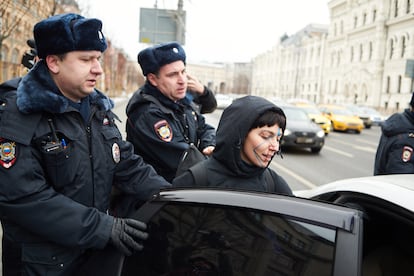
x=395 y=150
x=60 y=155
x=162 y=120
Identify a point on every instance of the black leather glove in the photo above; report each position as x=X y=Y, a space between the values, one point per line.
x=127 y=234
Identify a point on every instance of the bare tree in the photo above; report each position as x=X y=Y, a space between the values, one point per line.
x=9 y=22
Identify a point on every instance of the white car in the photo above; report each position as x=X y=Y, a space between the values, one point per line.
x=387 y=204
x=223 y=101
x=364 y=227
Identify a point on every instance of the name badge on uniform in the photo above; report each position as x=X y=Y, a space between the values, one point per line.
x=406 y=154
x=116 y=153
x=7 y=153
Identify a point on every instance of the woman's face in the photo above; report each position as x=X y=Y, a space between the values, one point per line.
x=261 y=144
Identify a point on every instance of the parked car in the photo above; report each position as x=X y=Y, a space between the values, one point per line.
x=223 y=101
x=358 y=111
x=387 y=205
x=301 y=131
x=342 y=119
x=376 y=117
x=316 y=115
x=224 y=232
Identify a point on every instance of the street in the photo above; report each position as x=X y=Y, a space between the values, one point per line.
x=345 y=155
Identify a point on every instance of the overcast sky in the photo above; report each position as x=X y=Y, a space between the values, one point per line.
x=216 y=30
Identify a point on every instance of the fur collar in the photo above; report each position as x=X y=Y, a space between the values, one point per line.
x=37 y=92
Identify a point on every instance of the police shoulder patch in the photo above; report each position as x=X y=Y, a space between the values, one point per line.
x=163 y=130
x=8 y=153
x=406 y=153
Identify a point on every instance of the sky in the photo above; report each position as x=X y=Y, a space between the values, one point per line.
x=216 y=30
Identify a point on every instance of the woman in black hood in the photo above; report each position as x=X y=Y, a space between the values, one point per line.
x=248 y=136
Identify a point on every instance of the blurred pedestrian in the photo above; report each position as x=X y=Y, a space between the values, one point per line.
x=248 y=137
x=395 y=149
x=61 y=154
x=162 y=120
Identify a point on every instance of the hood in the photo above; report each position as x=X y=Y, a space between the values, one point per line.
x=398 y=123
x=38 y=92
x=232 y=130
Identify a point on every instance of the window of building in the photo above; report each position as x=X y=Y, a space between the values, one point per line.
x=374 y=15
x=370 y=51
x=342 y=27
x=364 y=18
x=352 y=54
x=387 y=85
x=408 y=6
x=397 y=105
x=395 y=8
x=391 y=48
x=355 y=21
x=399 y=84
x=15 y=56
x=361 y=52
x=403 y=46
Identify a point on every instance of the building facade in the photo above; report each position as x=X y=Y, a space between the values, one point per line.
x=17 y=19
x=360 y=58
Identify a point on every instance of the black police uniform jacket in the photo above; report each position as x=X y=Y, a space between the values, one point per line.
x=54 y=202
x=161 y=129
x=225 y=168
x=395 y=152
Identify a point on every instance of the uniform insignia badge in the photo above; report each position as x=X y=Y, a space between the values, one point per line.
x=406 y=154
x=116 y=153
x=7 y=153
x=163 y=130
x=105 y=121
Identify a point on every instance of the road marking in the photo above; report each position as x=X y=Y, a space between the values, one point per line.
x=367 y=149
x=368 y=142
x=339 y=151
x=299 y=178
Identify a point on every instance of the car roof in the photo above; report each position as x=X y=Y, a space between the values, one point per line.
x=395 y=188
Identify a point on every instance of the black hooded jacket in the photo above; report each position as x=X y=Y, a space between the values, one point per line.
x=226 y=168
x=395 y=152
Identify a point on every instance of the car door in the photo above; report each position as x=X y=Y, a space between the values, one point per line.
x=218 y=232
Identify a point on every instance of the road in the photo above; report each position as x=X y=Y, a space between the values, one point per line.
x=345 y=155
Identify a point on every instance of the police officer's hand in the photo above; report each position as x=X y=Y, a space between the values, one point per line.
x=208 y=150
x=127 y=235
x=194 y=85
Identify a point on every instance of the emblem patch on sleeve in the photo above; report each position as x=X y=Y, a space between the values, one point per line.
x=163 y=130
x=116 y=153
x=406 y=153
x=7 y=153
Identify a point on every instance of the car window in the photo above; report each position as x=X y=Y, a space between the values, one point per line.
x=215 y=240
x=296 y=114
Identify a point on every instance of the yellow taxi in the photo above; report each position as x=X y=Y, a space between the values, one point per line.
x=316 y=115
x=342 y=119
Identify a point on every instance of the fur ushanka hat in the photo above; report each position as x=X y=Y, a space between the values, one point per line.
x=153 y=58
x=68 y=32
